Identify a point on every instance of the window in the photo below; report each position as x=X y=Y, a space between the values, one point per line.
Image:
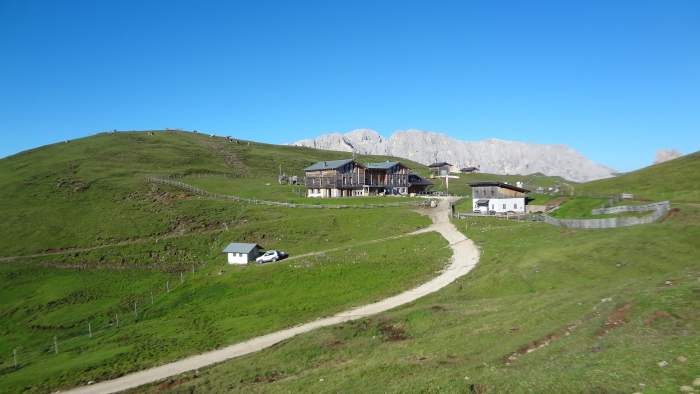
x=515 y=205
x=504 y=206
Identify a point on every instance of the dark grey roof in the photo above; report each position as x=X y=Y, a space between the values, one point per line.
x=416 y=180
x=236 y=247
x=440 y=164
x=328 y=165
x=385 y=165
x=499 y=184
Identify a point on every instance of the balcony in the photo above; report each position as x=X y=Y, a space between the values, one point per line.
x=355 y=181
x=335 y=181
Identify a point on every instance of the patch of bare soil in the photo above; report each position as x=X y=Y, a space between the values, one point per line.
x=392 y=332
x=544 y=341
x=658 y=315
x=616 y=319
x=555 y=202
x=671 y=213
x=334 y=344
x=268 y=377
x=476 y=388
x=170 y=384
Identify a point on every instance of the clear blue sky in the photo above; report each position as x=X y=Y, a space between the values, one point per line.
x=615 y=80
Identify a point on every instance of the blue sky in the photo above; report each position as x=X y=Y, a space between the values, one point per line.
x=615 y=80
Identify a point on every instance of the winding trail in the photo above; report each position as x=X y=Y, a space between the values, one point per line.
x=465 y=256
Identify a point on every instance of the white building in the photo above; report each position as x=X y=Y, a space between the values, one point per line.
x=241 y=253
x=498 y=197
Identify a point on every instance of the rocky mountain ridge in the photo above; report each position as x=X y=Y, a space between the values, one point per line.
x=491 y=155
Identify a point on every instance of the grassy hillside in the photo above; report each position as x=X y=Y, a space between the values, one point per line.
x=92 y=190
x=546 y=310
x=99 y=242
x=460 y=186
x=676 y=180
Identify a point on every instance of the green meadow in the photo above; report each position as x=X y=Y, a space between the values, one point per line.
x=547 y=309
x=89 y=245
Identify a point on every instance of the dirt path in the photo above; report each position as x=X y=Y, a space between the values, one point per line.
x=464 y=258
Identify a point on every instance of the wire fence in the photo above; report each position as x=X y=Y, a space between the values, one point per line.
x=84 y=335
x=254 y=201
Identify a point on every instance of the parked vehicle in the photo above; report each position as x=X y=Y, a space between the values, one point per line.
x=271 y=255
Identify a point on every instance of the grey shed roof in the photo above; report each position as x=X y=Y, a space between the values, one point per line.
x=385 y=165
x=327 y=165
x=499 y=184
x=236 y=247
x=440 y=164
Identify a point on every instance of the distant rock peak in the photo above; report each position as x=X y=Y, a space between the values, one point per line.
x=490 y=155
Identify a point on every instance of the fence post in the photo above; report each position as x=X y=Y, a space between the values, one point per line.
x=135 y=312
x=90 y=329
x=151 y=297
x=167 y=286
x=14 y=356
x=181 y=280
x=55 y=344
x=116 y=317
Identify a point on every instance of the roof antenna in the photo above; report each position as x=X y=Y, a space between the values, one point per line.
x=348 y=143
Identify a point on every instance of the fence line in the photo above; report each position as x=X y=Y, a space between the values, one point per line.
x=227 y=197
x=98 y=325
x=658 y=210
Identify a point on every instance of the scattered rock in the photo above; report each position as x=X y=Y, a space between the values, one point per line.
x=662 y=363
x=681 y=359
x=321 y=380
x=91 y=382
x=608 y=299
x=668 y=283
x=687 y=389
x=696 y=382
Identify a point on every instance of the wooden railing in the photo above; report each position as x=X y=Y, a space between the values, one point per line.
x=354 y=181
x=335 y=181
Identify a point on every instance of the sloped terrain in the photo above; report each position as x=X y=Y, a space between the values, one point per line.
x=677 y=180
x=547 y=309
x=125 y=274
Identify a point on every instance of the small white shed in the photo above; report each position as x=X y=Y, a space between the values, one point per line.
x=241 y=253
